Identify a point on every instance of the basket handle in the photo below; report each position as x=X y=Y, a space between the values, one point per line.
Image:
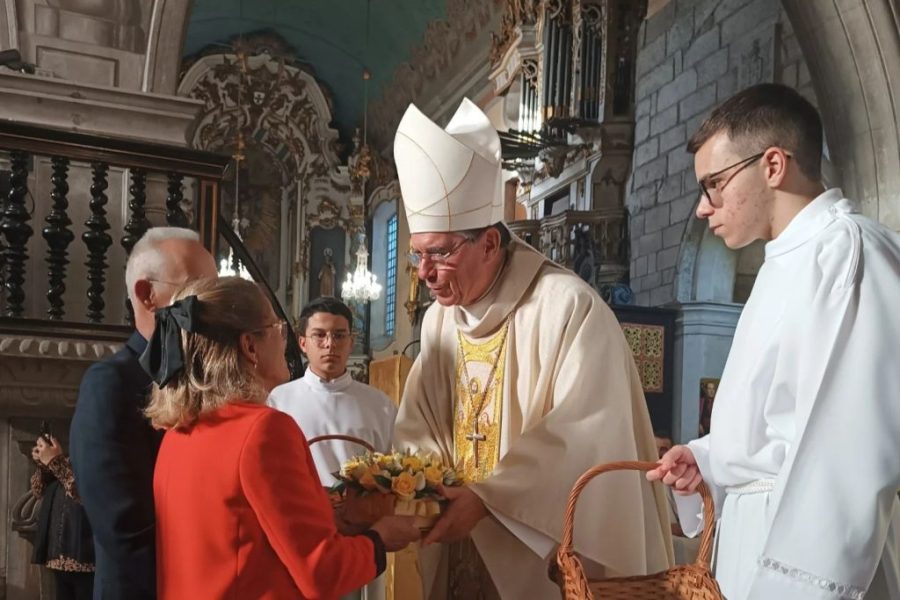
x=709 y=515
x=345 y=438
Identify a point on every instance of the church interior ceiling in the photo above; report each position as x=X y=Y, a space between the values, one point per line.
x=329 y=36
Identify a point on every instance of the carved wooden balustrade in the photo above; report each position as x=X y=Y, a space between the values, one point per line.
x=593 y=243
x=21 y=250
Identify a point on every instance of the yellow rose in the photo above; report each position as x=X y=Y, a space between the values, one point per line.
x=404 y=486
x=434 y=476
x=412 y=463
x=385 y=460
x=368 y=478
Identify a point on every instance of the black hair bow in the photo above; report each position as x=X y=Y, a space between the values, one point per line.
x=163 y=358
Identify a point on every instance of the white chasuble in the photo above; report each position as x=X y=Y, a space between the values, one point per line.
x=565 y=396
x=804 y=451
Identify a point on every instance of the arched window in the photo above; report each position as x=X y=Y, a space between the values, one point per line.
x=385 y=225
x=390 y=297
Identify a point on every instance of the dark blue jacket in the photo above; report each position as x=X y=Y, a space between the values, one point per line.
x=113 y=451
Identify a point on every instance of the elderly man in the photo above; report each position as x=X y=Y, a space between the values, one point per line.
x=524 y=380
x=112 y=446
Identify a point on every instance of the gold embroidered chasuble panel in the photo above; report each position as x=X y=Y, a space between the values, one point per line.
x=478 y=403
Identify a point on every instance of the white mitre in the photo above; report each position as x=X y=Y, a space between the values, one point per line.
x=451 y=180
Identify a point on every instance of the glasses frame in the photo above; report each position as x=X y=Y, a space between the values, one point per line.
x=329 y=335
x=704 y=182
x=438 y=258
x=172 y=283
x=282 y=328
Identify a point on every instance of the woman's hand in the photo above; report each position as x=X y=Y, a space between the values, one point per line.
x=678 y=469
x=397 y=532
x=44 y=451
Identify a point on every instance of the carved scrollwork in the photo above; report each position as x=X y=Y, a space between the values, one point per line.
x=276 y=102
x=24 y=515
x=328 y=215
x=429 y=61
x=531 y=71
x=594 y=14
x=359 y=369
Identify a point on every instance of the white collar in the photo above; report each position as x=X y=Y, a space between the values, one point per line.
x=333 y=385
x=807 y=223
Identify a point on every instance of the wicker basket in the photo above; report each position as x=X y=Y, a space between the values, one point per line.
x=683 y=582
x=365 y=510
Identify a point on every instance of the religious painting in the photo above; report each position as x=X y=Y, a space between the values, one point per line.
x=326 y=261
x=650 y=333
x=708 y=389
x=259 y=191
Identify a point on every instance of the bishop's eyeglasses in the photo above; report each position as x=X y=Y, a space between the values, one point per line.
x=438 y=257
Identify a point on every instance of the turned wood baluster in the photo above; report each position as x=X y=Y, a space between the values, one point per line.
x=98 y=242
x=138 y=224
x=174 y=215
x=58 y=236
x=15 y=228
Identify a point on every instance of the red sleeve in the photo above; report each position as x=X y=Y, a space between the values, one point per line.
x=281 y=485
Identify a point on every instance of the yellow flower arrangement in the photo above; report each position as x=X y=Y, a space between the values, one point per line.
x=412 y=463
x=407 y=475
x=400 y=483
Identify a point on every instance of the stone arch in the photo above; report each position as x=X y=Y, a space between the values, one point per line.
x=852 y=50
x=165 y=42
x=707 y=268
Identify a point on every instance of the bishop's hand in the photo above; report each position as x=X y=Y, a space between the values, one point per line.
x=678 y=469
x=463 y=512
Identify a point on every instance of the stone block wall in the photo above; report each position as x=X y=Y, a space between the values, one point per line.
x=692 y=55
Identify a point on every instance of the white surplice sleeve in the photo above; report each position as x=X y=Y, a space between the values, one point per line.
x=690 y=508
x=832 y=504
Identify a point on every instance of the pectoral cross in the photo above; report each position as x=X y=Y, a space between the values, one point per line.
x=475 y=437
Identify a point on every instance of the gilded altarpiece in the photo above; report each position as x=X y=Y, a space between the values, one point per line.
x=298 y=211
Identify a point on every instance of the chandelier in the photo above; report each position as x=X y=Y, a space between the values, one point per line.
x=231 y=265
x=361 y=285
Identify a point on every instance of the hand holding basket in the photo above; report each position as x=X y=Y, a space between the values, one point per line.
x=682 y=582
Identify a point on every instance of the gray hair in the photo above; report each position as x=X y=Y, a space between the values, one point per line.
x=505 y=235
x=146 y=261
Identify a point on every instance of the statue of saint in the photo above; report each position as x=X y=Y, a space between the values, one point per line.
x=326 y=274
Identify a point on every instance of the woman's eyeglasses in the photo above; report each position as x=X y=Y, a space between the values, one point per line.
x=281 y=325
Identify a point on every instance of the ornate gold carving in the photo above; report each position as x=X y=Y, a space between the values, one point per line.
x=328 y=215
x=516 y=14
x=429 y=61
x=359 y=368
x=272 y=101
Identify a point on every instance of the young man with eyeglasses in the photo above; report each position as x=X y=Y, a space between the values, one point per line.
x=327 y=400
x=804 y=451
x=524 y=381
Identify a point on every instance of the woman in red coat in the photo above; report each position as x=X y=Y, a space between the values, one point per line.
x=240 y=510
